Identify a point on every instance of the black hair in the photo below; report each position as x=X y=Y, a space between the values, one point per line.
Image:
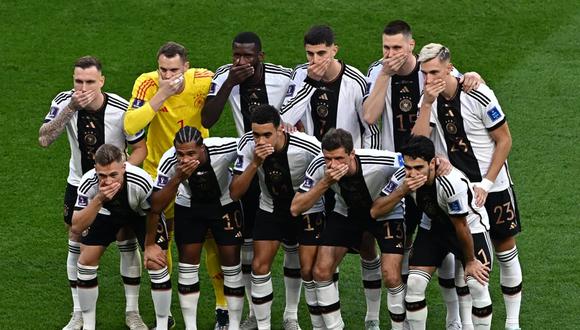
x=248 y=38
x=265 y=114
x=398 y=26
x=337 y=138
x=86 y=62
x=419 y=147
x=319 y=34
x=188 y=134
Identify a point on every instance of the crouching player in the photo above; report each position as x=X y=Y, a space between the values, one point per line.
x=196 y=170
x=457 y=225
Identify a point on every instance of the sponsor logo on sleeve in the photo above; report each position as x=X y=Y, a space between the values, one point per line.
x=494 y=114
x=308 y=182
x=239 y=162
x=53 y=112
x=212 y=88
x=454 y=206
x=137 y=103
x=83 y=201
x=290 y=90
x=162 y=180
x=391 y=186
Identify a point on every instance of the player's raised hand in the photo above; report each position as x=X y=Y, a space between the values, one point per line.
x=414 y=183
x=444 y=167
x=261 y=152
x=185 y=168
x=80 y=99
x=392 y=65
x=334 y=174
x=154 y=257
x=240 y=72
x=432 y=90
x=170 y=86
x=317 y=70
x=107 y=192
x=477 y=270
x=470 y=81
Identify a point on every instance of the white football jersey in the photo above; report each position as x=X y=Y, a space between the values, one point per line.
x=337 y=111
x=87 y=131
x=222 y=153
x=463 y=124
x=375 y=168
x=299 y=151
x=137 y=186
x=452 y=196
x=276 y=81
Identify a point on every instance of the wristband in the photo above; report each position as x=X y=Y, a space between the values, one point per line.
x=485 y=184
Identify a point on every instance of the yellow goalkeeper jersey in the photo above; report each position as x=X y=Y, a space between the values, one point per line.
x=179 y=110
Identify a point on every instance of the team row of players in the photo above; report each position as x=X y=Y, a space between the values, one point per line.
x=326 y=93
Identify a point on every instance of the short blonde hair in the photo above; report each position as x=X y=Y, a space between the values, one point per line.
x=432 y=50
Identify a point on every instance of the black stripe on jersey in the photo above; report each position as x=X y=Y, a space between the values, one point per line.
x=375 y=135
x=139 y=181
x=378 y=159
x=223 y=151
x=244 y=140
x=496 y=126
x=314 y=165
x=374 y=64
x=276 y=69
x=87 y=185
x=224 y=146
x=117 y=103
x=482 y=99
x=222 y=70
x=298 y=68
x=302 y=94
x=482 y=95
x=64 y=98
x=168 y=163
x=447 y=186
x=304 y=144
x=400 y=174
x=360 y=80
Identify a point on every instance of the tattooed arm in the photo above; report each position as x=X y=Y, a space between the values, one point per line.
x=49 y=131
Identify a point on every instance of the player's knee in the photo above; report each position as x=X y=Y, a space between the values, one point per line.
x=391 y=277
x=259 y=267
x=322 y=272
x=416 y=286
x=306 y=272
x=479 y=293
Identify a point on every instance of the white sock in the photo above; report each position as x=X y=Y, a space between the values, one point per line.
x=161 y=294
x=335 y=278
x=88 y=290
x=262 y=296
x=371 y=276
x=415 y=302
x=312 y=302
x=329 y=304
x=446 y=274
x=463 y=297
x=188 y=288
x=482 y=309
x=130 y=268
x=510 y=278
x=234 y=292
x=292 y=281
x=396 y=306
x=74 y=251
x=247 y=254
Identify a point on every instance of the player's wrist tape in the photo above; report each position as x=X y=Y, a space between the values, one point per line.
x=485 y=184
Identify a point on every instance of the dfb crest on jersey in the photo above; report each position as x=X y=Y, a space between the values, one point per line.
x=454 y=206
x=53 y=112
x=290 y=90
x=162 y=180
x=494 y=114
x=308 y=182
x=83 y=201
x=137 y=103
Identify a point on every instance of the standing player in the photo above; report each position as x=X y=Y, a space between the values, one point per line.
x=456 y=225
x=197 y=170
x=280 y=160
x=357 y=176
x=246 y=84
x=112 y=195
x=92 y=118
x=165 y=101
x=396 y=86
x=474 y=130
x=326 y=93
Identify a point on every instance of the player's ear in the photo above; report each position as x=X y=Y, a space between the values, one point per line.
x=449 y=67
x=261 y=56
x=102 y=81
x=412 y=44
x=186 y=66
x=334 y=50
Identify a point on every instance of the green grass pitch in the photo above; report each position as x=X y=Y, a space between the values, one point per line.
x=527 y=51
